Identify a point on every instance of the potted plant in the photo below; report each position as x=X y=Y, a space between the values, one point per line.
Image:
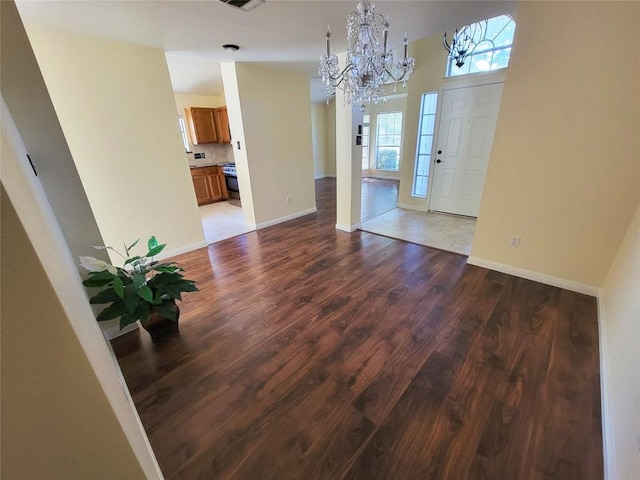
x=142 y=289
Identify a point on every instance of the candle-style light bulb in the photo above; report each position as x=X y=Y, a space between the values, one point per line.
x=405 y=41
x=386 y=33
x=328 y=40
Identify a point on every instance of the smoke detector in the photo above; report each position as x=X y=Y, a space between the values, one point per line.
x=245 y=5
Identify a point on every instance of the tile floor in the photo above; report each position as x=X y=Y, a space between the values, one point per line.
x=221 y=220
x=439 y=230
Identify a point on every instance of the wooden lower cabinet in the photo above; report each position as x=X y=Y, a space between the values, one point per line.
x=209 y=184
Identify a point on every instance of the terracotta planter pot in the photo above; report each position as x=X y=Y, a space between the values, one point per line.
x=160 y=327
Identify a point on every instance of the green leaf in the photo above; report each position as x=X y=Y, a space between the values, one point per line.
x=132 y=259
x=131 y=299
x=139 y=280
x=127 y=320
x=168 y=310
x=152 y=243
x=145 y=293
x=141 y=313
x=166 y=269
x=164 y=278
x=156 y=250
x=107 y=295
x=98 y=279
x=132 y=245
x=118 y=287
x=114 y=310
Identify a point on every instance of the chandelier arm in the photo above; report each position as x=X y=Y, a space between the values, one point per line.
x=444 y=42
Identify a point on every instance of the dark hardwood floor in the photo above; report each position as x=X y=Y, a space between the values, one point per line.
x=316 y=354
x=378 y=197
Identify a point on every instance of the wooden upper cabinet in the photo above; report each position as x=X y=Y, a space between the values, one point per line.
x=202 y=125
x=222 y=125
x=208 y=125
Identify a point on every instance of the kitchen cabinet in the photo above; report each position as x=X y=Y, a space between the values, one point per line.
x=208 y=125
x=222 y=125
x=202 y=126
x=209 y=184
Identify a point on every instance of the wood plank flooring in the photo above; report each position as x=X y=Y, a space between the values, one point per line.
x=317 y=354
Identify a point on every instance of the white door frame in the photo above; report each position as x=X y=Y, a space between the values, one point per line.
x=454 y=83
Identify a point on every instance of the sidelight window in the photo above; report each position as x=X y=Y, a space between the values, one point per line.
x=425 y=144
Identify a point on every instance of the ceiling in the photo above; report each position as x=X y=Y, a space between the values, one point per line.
x=284 y=33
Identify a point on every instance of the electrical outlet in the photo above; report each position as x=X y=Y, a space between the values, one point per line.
x=515 y=242
x=203 y=155
x=197 y=155
x=288 y=199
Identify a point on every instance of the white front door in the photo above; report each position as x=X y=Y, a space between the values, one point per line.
x=467 y=123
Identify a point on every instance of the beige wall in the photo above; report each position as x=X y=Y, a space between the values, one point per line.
x=391 y=105
x=330 y=128
x=234 y=109
x=45 y=235
x=348 y=161
x=184 y=100
x=620 y=331
x=56 y=420
x=319 y=138
x=123 y=135
x=25 y=94
x=565 y=165
x=275 y=107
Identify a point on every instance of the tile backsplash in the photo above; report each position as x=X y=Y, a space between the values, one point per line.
x=214 y=154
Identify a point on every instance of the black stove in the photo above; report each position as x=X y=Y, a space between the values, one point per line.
x=231 y=179
x=229 y=169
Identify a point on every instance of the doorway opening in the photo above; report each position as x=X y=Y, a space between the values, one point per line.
x=450 y=169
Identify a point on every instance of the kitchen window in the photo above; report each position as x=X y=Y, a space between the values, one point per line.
x=183 y=132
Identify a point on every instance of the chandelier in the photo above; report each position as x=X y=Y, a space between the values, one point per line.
x=463 y=42
x=371 y=64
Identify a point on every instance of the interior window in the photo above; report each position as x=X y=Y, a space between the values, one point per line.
x=493 y=48
x=388 y=141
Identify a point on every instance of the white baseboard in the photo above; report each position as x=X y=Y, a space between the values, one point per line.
x=324 y=175
x=187 y=248
x=409 y=206
x=113 y=332
x=350 y=228
x=608 y=445
x=286 y=218
x=535 y=276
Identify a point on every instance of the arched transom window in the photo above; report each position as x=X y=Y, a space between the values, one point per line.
x=492 y=49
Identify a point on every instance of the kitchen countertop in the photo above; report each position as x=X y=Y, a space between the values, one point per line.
x=205 y=165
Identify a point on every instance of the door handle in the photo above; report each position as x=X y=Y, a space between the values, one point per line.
x=438 y=161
